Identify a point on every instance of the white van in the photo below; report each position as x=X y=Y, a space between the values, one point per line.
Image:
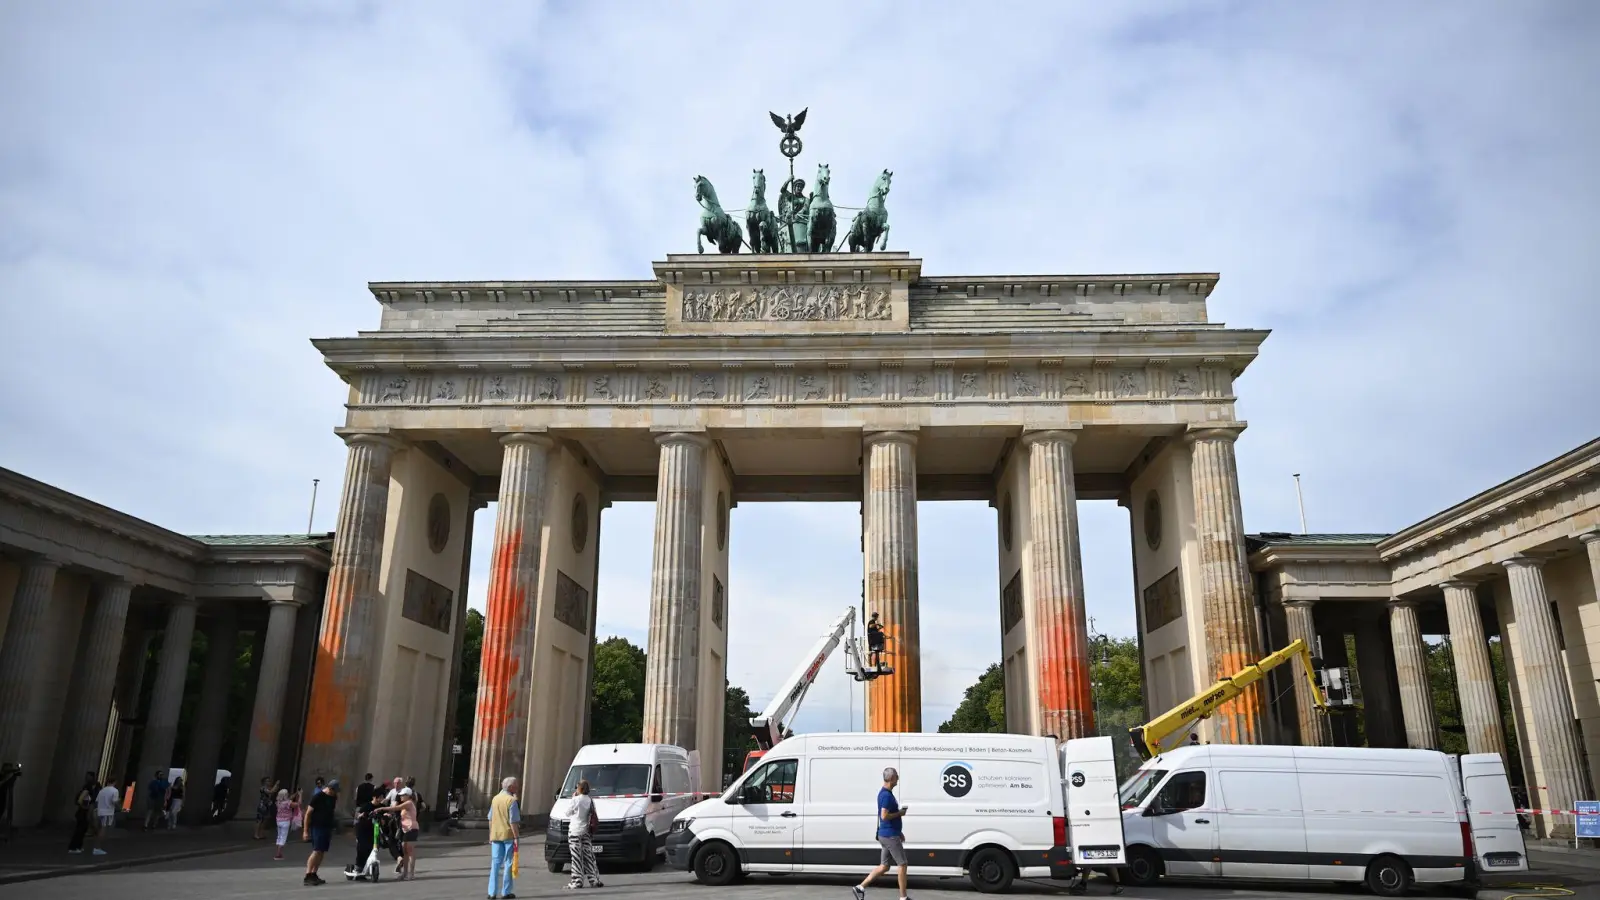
x=637 y=790
x=990 y=806
x=1389 y=818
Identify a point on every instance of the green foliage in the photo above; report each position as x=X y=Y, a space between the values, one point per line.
x=467 y=693
x=616 y=709
x=982 y=709
x=1118 y=683
x=736 y=737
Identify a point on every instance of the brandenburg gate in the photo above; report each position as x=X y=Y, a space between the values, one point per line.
x=729 y=378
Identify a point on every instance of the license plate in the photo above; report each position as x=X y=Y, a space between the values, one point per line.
x=1099 y=854
x=599 y=849
x=1502 y=859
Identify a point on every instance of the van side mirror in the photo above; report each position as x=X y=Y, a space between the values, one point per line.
x=753 y=794
x=1154 y=810
x=656 y=798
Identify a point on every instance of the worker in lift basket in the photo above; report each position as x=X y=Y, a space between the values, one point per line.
x=875 y=641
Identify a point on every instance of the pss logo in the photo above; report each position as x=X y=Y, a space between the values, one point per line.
x=957 y=778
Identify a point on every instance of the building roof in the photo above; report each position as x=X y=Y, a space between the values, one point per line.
x=1285 y=539
x=321 y=541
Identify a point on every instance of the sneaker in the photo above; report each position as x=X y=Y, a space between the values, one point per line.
x=508 y=897
x=99 y=852
x=75 y=851
x=859 y=893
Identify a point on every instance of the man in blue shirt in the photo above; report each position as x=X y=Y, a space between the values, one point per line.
x=890 y=836
x=156 y=799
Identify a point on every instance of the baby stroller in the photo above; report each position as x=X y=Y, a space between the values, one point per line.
x=384 y=834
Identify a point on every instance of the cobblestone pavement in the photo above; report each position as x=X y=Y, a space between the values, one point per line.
x=458 y=868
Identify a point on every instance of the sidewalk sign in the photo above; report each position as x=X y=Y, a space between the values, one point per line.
x=1588 y=818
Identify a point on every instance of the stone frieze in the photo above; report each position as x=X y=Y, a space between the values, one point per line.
x=788 y=303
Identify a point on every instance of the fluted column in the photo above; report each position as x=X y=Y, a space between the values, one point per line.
x=505 y=675
x=1058 y=634
x=205 y=740
x=1312 y=729
x=1591 y=543
x=671 y=674
x=243 y=782
x=1544 y=685
x=130 y=682
x=894 y=702
x=94 y=680
x=347 y=644
x=1411 y=669
x=166 y=695
x=1232 y=639
x=19 y=653
x=1469 y=649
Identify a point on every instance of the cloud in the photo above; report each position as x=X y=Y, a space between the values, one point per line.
x=1404 y=194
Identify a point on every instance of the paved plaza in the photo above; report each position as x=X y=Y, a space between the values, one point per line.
x=457 y=867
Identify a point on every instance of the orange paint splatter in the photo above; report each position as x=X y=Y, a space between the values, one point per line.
x=507 y=618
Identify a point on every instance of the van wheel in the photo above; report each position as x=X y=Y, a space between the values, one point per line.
x=991 y=870
x=1389 y=876
x=716 y=865
x=553 y=866
x=1144 y=866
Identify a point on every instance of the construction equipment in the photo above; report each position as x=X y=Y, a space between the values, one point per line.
x=1149 y=737
x=771 y=726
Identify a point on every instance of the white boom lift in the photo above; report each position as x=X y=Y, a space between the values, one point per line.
x=772 y=725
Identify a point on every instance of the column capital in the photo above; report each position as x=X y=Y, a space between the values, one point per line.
x=1524 y=561
x=1299 y=602
x=110 y=580
x=889 y=437
x=1068 y=436
x=1404 y=603
x=1590 y=537
x=698 y=439
x=1458 y=584
x=184 y=600
x=1214 y=431
x=292 y=604
x=537 y=438
x=355 y=437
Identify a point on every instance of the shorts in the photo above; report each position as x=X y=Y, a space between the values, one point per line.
x=283 y=833
x=321 y=838
x=106 y=822
x=894 y=851
x=410 y=837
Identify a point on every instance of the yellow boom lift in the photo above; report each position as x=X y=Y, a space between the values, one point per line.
x=1148 y=738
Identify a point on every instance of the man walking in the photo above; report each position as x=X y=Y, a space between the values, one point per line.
x=105 y=804
x=891 y=837
x=318 y=828
x=155 y=802
x=505 y=826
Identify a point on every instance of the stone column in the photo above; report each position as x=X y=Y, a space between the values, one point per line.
x=1312 y=730
x=205 y=741
x=1231 y=636
x=20 y=652
x=894 y=702
x=447 y=756
x=266 y=714
x=240 y=786
x=166 y=696
x=505 y=675
x=89 y=712
x=1480 y=702
x=671 y=673
x=130 y=679
x=1591 y=543
x=347 y=646
x=1544 y=684
x=1058 y=637
x=1411 y=670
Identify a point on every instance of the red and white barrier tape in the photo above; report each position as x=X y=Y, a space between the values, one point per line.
x=1395 y=812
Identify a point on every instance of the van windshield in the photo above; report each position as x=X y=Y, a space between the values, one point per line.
x=1134 y=791
x=609 y=780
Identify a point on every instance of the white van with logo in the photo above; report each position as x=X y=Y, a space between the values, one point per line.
x=990 y=806
x=1389 y=818
x=637 y=789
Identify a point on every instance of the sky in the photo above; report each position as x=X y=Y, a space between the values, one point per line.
x=1405 y=194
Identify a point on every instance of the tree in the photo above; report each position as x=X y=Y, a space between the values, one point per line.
x=616 y=709
x=736 y=737
x=982 y=709
x=467 y=692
